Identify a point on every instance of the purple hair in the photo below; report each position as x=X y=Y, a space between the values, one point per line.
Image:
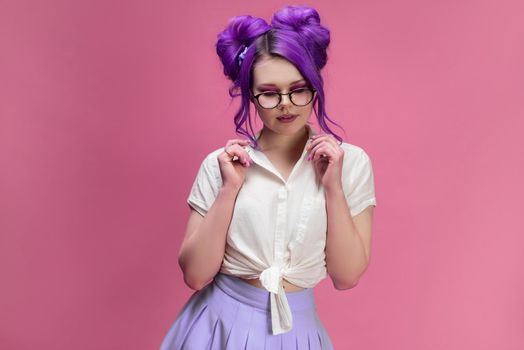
x=296 y=35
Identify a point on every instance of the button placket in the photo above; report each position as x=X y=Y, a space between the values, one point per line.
x=281 y=223
x=304 y=217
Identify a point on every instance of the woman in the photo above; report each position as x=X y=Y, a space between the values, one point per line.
x=272 y=215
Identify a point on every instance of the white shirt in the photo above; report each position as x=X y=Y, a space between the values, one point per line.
x=278 y=228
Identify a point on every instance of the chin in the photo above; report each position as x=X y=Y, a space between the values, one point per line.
x=289 y=129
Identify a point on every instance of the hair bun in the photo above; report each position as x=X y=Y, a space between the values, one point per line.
x=305 y=21
x=240 y=32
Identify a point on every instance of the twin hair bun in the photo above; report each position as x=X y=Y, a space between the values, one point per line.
x=241 y=31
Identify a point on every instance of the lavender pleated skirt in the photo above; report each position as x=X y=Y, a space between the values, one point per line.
x=234 y=315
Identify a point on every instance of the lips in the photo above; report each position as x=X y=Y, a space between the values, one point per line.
x=287 y=117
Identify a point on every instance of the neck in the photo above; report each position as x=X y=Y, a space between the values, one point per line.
x=270 y=141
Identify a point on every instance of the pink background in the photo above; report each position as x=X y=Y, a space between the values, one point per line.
x=107 y=108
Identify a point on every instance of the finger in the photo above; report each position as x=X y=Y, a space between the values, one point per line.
x=322 y=153
x=317 y=135
x=315 y=144
x=236 y=141
x=322 y=150
x=240 y=153
x=314 y=137
x=331 y=152
x=323 y=138
x=314 y=150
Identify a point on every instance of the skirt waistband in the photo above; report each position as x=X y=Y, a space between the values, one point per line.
x=259 y=297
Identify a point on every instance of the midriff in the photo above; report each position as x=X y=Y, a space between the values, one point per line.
x=288 y=286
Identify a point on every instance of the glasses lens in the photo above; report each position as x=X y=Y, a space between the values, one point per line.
x=268 y=99
x=301 y=97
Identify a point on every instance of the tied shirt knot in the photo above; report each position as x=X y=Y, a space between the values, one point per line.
x=281 y=317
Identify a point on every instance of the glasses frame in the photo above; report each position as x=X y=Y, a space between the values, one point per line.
x=280 y=97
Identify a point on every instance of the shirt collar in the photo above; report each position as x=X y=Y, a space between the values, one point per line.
x=308 y=127
x=260 y=158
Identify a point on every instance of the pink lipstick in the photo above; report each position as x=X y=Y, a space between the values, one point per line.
x=288 y=118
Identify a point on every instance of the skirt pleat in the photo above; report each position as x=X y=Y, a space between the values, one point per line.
x=216 y=337
x=301 y=338
x=314 y=342
x=256 y=338
x=188 y=316
x=272 y=343
x=240 y=328
x=321 y=334
x=290 y=342
x=229 y=314
x=200 y=332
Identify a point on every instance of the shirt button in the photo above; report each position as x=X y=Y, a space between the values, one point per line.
x=282 y=193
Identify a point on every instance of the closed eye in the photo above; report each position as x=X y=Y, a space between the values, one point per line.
x=300 y=90
x=273 y=93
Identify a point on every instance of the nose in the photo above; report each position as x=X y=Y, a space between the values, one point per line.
x=285 y=100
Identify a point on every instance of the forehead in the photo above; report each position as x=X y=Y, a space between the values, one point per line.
x=275 y=71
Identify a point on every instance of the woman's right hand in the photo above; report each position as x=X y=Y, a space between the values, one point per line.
x=233 y=171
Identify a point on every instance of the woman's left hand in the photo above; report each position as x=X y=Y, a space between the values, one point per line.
x=327 y=157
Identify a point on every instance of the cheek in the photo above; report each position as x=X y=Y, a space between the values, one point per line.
x=265 y=114
x=308 y=111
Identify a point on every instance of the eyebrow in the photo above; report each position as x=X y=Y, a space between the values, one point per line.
x=267 y=84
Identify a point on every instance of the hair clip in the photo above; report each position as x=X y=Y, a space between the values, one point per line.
x=242 y=55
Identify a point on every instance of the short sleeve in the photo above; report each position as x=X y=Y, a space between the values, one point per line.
x=360 y=184
x=206 y=185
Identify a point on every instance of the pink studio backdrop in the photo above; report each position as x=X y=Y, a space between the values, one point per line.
x=108 y=107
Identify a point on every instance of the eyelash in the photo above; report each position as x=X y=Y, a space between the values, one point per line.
x=297 y=88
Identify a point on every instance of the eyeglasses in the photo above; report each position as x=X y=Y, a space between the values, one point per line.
x=299 y=97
